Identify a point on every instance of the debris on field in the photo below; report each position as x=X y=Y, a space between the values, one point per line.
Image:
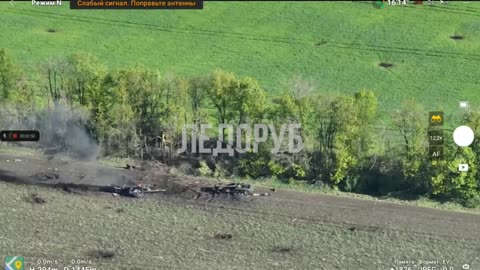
x=17 y=160
x=46 y=176
x=102 y=254
x=130 y=167
x=34 y=198
x=282 y=249
x=223 y=236
x=261 y=194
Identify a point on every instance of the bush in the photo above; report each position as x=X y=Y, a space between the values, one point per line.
x=185 y=168
x=350 y=183
x=203 y=169
x=472 y=202
x=256 y=165
x=254 y=168
x=447 y=182
x=384 y=176
x=220 y=171
x=275 y=168
x=288 y=181
x=298 y=171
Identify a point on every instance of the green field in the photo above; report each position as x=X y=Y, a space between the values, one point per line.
x=337 y=45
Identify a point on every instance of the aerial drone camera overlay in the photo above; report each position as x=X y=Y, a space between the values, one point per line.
x=213 y=135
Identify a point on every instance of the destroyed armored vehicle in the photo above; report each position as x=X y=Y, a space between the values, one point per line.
x=136 y=191
x=230 y=189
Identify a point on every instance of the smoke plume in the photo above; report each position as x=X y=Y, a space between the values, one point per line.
x=63 y=131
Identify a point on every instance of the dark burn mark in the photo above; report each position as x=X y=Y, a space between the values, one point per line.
x=386 y=65
x=456 y=37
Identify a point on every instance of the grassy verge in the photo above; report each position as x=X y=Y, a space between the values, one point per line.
x=305 y=187
x=325 y=189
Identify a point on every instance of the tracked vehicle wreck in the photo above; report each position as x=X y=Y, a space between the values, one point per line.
x=136 y=191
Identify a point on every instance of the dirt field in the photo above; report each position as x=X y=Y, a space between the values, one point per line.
x=173 y=230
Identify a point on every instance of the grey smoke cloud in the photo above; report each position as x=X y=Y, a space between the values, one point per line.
x=63 y=131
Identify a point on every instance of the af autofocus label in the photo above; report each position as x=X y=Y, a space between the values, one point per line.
x=136 y=4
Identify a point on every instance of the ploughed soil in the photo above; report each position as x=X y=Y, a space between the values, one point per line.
x=341 y=213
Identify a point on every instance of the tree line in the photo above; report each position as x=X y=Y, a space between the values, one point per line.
x=348 y=144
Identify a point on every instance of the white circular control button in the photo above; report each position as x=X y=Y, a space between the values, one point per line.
x=463 y=136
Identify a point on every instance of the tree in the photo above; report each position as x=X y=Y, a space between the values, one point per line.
x=248 y=101
x=197 y=92
x=343 y=135
x=236 y=101
x=411 y=123
x=55 y=71
x=85 y=77
x=117 y=118
x=366 y=107
x=221 y=93
x=295 y=105
x=292 y=108
x=342 y=120
x=144 y=90
x=174 y=102
x=102 y=102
